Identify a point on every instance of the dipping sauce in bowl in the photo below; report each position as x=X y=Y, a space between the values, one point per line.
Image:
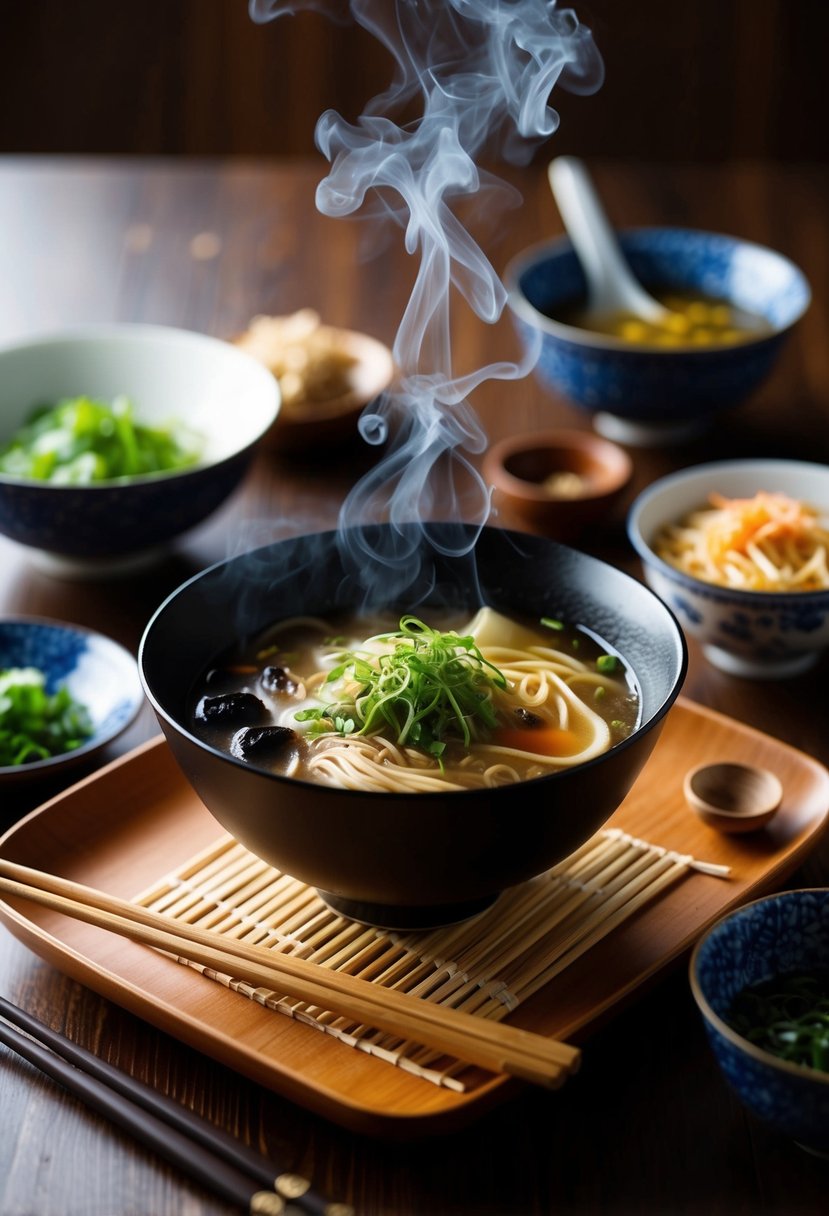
x=695 y=321
x=559 y=482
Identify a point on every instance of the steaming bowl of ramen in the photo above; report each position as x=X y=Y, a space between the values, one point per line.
x=735 y=304
x=738 y=549
x=117 y=438
x=560 y=667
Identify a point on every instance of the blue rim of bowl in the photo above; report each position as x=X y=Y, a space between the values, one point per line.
x=722 y=1028
x=530 y=315
x=99 y=740
x=127 y=329
x=699 y=586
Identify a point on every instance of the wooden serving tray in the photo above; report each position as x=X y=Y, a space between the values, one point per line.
x=138 y=819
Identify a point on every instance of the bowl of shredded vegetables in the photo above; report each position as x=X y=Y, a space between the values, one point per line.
x=739 y=549
x=760 y=977
x=116 y=439
x=65 y=693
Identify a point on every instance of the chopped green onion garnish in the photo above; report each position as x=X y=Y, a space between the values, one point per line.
x=788 y=1017
x=428 y=688
x=36 y=724
x=80 y=440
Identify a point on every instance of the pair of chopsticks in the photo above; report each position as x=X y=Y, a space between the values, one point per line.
x=223 y=1164
x=491 y=1045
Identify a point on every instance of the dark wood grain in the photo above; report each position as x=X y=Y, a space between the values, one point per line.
x=647 y=1127
x=715 y=80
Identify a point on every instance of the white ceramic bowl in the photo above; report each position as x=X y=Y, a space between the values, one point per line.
x=759 y=634
x=169 y=374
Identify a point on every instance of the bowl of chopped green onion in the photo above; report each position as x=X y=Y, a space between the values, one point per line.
x=117 y=439
x=65 y=693
x=760 y=977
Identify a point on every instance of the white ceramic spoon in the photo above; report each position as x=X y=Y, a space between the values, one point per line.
x=611 y=285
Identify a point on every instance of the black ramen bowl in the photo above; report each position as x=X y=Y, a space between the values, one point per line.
x=409 y=860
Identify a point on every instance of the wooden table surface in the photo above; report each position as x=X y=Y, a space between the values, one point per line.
x=648 y=1125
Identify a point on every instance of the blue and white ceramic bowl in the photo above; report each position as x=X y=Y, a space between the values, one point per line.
x=787 y=932
x=211 y=387
x=98 y=672
x=645 y=394
x=759 y=634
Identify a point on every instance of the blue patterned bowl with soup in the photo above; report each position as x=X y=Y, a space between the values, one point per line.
x=644 y=393
x=754 y=634
x=779 y=935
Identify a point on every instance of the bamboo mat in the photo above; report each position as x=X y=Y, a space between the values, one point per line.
x=486 y=966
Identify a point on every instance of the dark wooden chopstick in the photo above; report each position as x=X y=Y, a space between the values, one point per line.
x=221 y=1163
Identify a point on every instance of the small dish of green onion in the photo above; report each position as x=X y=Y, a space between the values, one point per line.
x=787 y=1016
x=36 y=724
x=760 y=978
x=65 y=693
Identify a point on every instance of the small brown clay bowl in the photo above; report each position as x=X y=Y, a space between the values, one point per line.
x=557 y=482
x=733 y=797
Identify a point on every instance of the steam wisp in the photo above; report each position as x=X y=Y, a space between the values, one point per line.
x=482 y=72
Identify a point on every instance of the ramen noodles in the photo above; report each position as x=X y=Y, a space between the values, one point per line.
x=769 y=542
x=401 y=705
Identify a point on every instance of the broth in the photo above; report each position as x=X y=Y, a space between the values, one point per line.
x=696 y=321
x=534 y=698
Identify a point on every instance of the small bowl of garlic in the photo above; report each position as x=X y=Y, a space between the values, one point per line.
x=326 y=376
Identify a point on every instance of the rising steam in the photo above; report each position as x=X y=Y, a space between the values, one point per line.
x=481 y=73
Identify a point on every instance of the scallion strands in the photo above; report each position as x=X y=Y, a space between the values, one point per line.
x=428 y=689
x=81 y=441
x=788 y=1017
x=34 y=723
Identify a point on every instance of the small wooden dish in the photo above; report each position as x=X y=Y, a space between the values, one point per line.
x=733 y=797
x=557 y=482
x=362 y=369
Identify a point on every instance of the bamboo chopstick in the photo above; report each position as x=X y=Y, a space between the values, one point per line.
x=222 y=1164
x=490 y=1045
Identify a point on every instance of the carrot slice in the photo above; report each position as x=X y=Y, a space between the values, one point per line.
x=544 y=741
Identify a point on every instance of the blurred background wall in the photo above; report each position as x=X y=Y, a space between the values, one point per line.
x=686 y=79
